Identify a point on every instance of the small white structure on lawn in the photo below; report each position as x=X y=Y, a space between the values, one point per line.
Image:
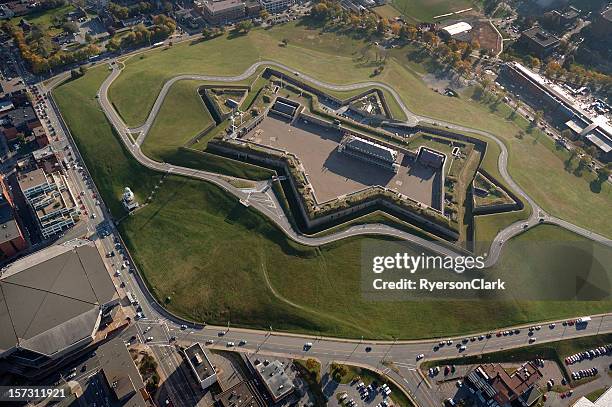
x=129 y=201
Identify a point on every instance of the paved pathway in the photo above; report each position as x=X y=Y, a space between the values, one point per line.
x=537 y=214
x=368 y=353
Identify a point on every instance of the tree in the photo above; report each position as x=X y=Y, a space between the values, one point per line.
x=263 y=14
x=311 y=364
x=381 y=26
x=396 y=28
x=534 y=62
x=244 y=26
x=320 y=11
x=70 y=27
x=604 y=173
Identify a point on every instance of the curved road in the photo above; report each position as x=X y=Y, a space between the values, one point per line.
x=367 y=353
x=537 y=214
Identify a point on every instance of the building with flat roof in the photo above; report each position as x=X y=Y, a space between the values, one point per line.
x=11 y=238
x=243 y=394
x=221 y=11
x=369 y=151
x=285 y=107
x=567 y=17
x=272 y=375
x=456 y=30
x=51 y=200
x=12 y=87
x=431 y=158
x=540 y=42
x=544 y=94
x=605 y=400
x=498 y=388
x=121 y=374
x=276 y=6
x=200 y=365
x=51 y=304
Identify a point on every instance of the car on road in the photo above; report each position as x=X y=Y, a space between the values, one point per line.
x=462 y=348
x=242 y=342
x=209 y=341
x=532 y=339
x=183 y=327
x=307 y=345
x=149 y=338
x=230 y=344
x=420 y=356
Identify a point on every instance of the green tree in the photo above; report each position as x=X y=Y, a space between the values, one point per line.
x=244 y=26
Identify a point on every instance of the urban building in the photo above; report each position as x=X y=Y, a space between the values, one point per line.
x=221 y=11
x=567 y=17
x=40 y=134
x=51 y=303
x=276 y=6
x=5 y=12
x=539 y=41
x=495 y=387
x=431 y=158
x=540 y=93
x=121 y=374
x=605 y=400
x=253 y=8
x=12 y=87
x=200 y=365
x=12 y=241
x=51 y=200
x=242 y=394
x=273 y=377
x=369 y=151
x=458 y=31
x=285 y=107
x=18 y=121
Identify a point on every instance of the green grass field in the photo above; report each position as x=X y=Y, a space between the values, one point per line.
x=182 y=116
x=426 y=10
x=220 y=261
x=46 y=18
x=534 y=162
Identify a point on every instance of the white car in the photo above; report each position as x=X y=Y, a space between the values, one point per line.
x=231 y=344
x=420 y=356
x=149 y=339
x=210 y=342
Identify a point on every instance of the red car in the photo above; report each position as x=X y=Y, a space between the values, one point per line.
x=498 y=334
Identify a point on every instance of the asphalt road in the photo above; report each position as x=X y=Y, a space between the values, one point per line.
x=401 y=353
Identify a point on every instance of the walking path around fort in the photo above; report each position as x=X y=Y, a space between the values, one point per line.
x=276 y=215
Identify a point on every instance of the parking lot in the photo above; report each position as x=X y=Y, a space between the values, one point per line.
x=358 y=395
x=333 y=174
